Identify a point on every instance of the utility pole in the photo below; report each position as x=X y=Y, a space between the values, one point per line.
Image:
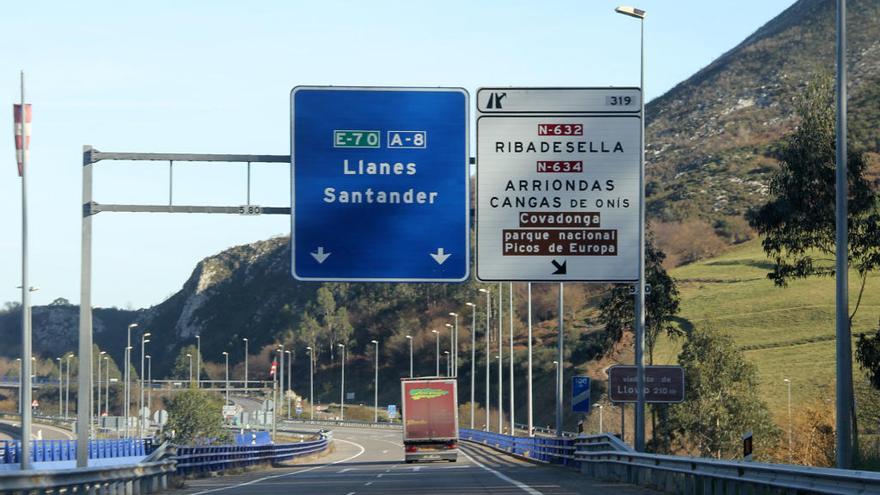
x=376 y=383
x=127 y=405
x=342 y=386
x=289 y=378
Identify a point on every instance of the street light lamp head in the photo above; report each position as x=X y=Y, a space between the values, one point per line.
x=146 y=340
x=147 y=334
x=189 y=355
x=102 y=353
x=244 y=339
x=409 y=337
x=449 y=325
x=308 y=348
x=453 y=314
x=484 y=290
x=433 y=331
x=469 y=304
x=786 y=380
x=631 y=12
x=132 y=325
x=340 y=345
x=225 y=353
x=147 y=356
x=374 y=341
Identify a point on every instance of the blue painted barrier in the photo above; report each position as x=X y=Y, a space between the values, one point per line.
x=65 y=450
x=553 y=450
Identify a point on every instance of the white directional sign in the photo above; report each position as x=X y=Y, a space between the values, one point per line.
x=557 y=186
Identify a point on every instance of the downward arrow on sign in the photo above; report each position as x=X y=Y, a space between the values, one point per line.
x=440 y=256
x=320 y=255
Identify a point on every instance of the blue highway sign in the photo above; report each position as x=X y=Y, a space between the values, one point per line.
x=580 y=394
x=379 y=184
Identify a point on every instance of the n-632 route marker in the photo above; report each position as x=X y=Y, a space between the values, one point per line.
x=379 y=186
x=558 y=184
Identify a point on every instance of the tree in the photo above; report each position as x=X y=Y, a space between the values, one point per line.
x=661 y=304
x=721 y=401
x=185 y=367
x=798 y=222
x=195 y=418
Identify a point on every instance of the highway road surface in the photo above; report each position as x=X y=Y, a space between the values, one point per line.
x=10 y=429
x=370 y=462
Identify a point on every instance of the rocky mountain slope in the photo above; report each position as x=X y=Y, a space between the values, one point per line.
x=711 y=140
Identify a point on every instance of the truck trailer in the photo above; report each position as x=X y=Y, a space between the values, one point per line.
x=430 y=419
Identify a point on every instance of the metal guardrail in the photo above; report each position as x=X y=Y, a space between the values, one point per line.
x=553 y=450
x=191 y=460
x=349 y=423
x=693 y=475
x=65 y=450
x=140 y=478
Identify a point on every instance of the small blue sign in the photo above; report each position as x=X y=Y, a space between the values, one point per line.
x=392 y=411
x=380 y=180
x=580 y=394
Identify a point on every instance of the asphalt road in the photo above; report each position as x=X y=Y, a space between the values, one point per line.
x=12 y=429
x=370 y=462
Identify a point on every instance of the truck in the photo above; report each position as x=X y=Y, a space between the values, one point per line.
x=430 y=419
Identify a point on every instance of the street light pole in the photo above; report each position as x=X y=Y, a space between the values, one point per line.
x=281 y=377
x=844 y=401
x=149 y=385
x=790 y=455
x=127 y=405
x=144 y=341
x=245 y=365
x=98 y=384
x=436 y=352
x=342 y=386
x=376 y=384
x=311 y=382
x=410 y=339
x=226 y=356
x=451 y=341
x=455 y=344
x=640 y=290
x=23 y=133
x=198 y=361
x=190 y=356
x=473 y=355
x=488 y=313
x=67 y=391
x=60 y=386
x=289 y=377
x=107 y=385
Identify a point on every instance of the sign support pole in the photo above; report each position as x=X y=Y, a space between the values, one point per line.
x=640 y=293
x=559 y=356
x=510 y=354
x=529 y=385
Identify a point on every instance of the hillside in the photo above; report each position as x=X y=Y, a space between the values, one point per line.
x=712 y=139
x=786 y=333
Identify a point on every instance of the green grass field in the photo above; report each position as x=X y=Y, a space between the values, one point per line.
x=786 y=332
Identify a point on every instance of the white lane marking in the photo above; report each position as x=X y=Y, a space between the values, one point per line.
x=522 y=486
x=379 y=475
x=384 y=451
x=350 y=493
x=347 y=470
x=368 y=483
x=416 y=469
x=251 y=482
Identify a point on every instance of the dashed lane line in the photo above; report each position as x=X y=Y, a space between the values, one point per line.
x=522 y=486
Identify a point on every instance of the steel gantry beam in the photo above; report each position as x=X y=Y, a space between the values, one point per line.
x=90 y=208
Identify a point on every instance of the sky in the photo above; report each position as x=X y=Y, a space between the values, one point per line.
x=215 y=77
